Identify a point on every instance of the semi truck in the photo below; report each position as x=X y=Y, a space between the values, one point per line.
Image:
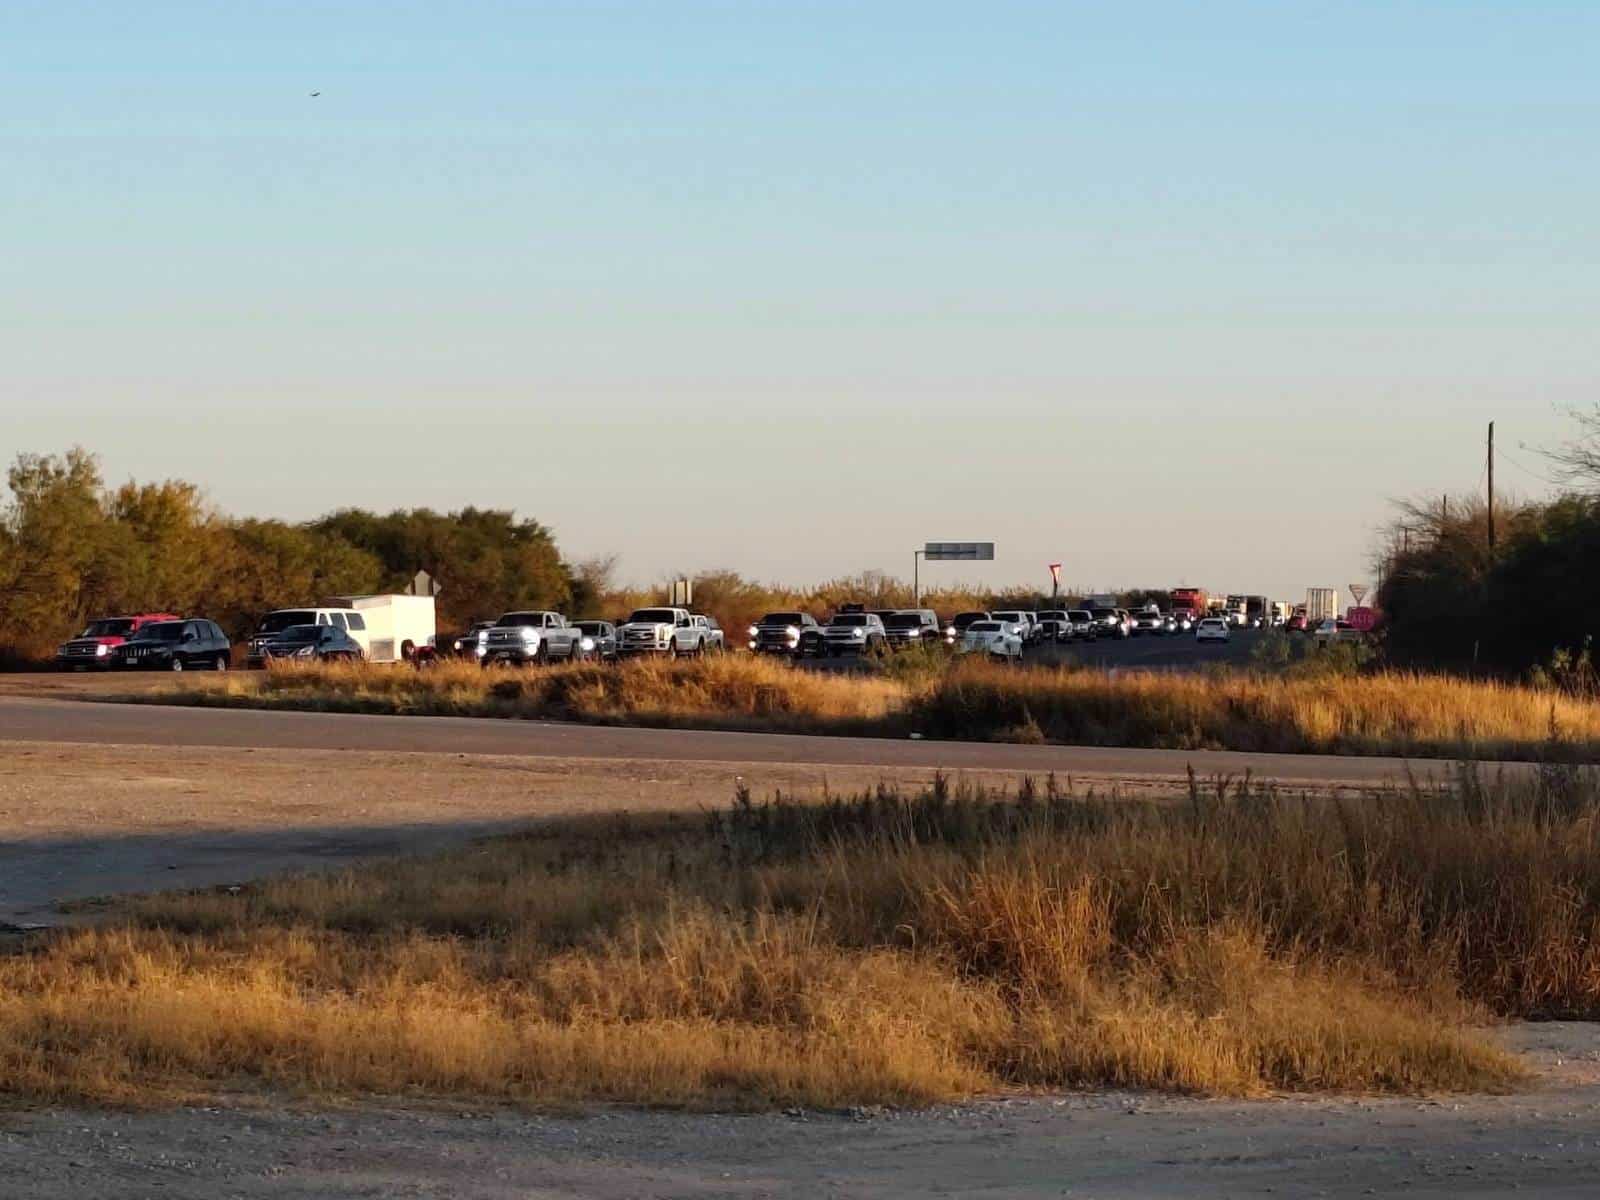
x=1190 y=600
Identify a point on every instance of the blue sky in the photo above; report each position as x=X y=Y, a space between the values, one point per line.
x=1165 y=292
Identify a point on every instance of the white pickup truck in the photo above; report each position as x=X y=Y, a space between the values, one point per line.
x=669 y=631
x=532 y=637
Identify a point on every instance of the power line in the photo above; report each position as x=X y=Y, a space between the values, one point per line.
x=1528 y=471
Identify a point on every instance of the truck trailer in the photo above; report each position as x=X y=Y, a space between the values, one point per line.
x=1321 y=604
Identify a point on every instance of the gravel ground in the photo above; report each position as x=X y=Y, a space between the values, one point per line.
x=1543 y=1142
x=80 y=820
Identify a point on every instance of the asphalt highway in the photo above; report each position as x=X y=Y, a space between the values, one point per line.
x=25 y=718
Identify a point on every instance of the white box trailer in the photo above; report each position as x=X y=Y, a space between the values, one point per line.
x=395 y=625
x=1321 y=603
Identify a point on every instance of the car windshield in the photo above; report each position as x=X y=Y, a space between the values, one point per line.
x=1008 y=616
x=1054 y=614
x=161 y=631
x=653 y=616
x=967 y=618
x=301 y=633
x=904 y=621
x=787 y=618
x=1080 y=614
x=279 y=621
x=1102 y=613
x=114 y=627
x=512 y=620
x=985 y=627
x=851 y=619
x=592 y=628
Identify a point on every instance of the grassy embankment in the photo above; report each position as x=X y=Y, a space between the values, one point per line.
x=883 y=949
x=1424 y=715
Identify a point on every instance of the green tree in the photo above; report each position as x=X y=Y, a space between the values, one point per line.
x=59 y=547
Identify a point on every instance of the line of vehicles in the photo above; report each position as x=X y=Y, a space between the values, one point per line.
x=402 y=629
x=384 y=629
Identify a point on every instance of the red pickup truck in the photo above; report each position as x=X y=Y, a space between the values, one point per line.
x=91 y=649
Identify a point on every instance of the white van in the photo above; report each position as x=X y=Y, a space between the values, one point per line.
x=388 y=628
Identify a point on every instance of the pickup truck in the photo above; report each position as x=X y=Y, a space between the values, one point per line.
x=94 y=646
x=668 y=631
x=532 y=637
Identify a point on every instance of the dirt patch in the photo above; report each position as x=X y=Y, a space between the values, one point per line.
x=1544 y=1142
x=80 y=821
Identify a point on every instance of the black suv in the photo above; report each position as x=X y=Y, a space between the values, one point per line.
x=303 y=643
x=175 y=646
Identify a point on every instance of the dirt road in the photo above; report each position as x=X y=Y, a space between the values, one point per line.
x=1545 y=1143
x=79 y=820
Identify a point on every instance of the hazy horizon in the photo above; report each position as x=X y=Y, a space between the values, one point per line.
x=1180 y=296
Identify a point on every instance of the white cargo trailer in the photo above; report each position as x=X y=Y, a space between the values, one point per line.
x=395 y=625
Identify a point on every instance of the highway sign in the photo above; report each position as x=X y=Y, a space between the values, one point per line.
x=1358 y=592
x=958 y=551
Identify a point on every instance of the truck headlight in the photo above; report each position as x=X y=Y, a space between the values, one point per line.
x=304 y=652
x=858 y=633
x=587 y=644
x=101 y=650
x=456 y=644
x=752 y=643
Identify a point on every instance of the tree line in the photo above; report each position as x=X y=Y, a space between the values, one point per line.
x=1453 y=597
x=73 y=548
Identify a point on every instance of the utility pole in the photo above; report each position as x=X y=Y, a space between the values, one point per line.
x=1491 y=487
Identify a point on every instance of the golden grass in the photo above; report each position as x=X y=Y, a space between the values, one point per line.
x=881 y=949
x=718 y=691
x=1388 y=713
x=1385 y=713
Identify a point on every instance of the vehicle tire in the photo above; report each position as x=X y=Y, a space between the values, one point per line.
x=672 y=650
x=221 y=663
x=541 y=656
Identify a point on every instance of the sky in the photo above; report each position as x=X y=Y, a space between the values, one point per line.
x=1167 y=293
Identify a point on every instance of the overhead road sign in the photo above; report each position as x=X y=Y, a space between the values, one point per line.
x=959 y=551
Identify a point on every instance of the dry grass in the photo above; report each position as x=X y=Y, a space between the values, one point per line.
x=719 y=691
x=1387 y=713
x=1394 y=713
x=877 y=949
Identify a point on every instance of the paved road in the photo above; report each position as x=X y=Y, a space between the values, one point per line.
x=31 y=719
